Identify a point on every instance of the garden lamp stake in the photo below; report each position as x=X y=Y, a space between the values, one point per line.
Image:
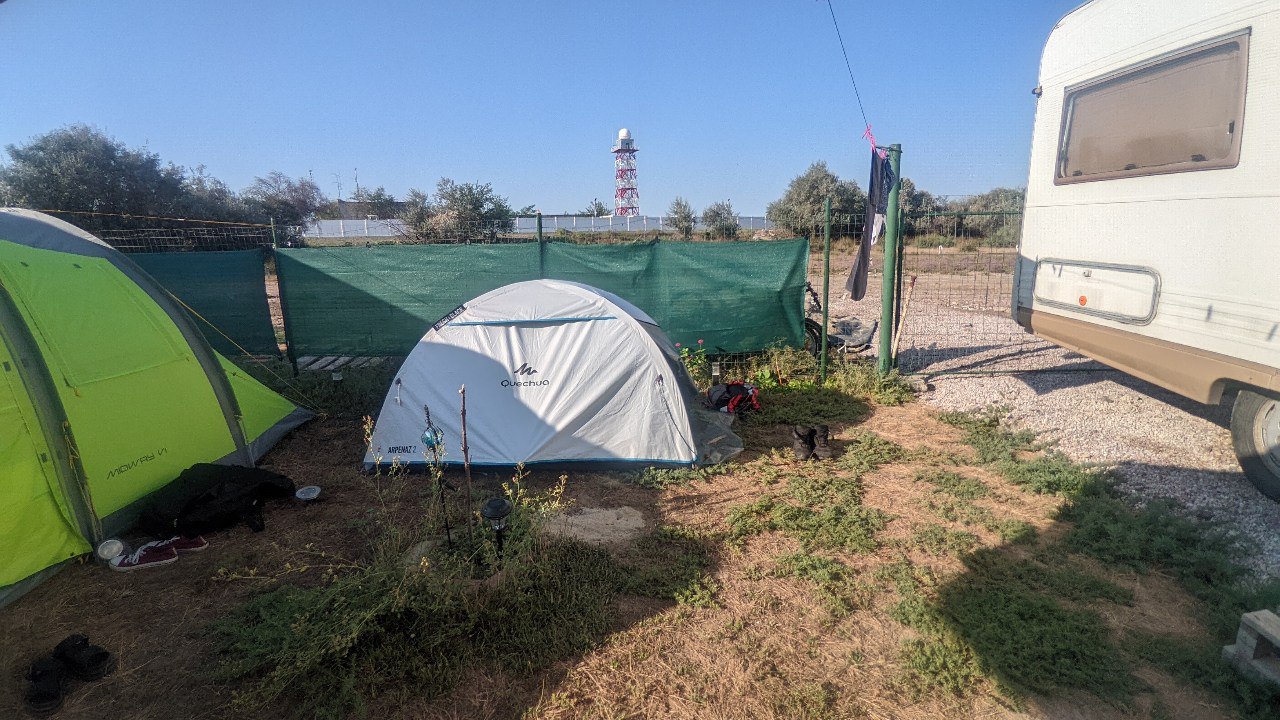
x=466 y=462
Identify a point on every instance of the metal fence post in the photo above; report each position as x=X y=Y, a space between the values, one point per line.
x=542 y=250
x=826 y=288
x=888 y=279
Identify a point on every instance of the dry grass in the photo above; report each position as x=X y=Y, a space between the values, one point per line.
x=758 y=639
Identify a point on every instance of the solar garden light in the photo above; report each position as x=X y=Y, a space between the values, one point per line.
x=433 y=446
x=496 y=510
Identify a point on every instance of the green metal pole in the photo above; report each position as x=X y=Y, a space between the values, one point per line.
x=826 y=287
x=542 y=251
x=888 y=283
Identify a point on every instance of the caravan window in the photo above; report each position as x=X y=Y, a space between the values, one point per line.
x=1177 y=114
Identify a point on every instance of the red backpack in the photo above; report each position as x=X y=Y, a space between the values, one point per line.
x=734 y=397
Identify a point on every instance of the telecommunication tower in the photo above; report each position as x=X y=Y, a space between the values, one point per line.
x=626 y=199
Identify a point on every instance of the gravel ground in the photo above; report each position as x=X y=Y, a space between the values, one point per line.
x=1159 y=444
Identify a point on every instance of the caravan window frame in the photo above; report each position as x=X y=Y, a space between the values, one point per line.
x=1073 y=92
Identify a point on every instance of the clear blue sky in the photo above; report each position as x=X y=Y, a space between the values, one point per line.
x=725 y=99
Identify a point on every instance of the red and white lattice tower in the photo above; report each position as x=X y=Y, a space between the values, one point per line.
x=626 y=199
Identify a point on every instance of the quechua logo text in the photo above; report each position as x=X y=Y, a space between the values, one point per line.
x=523 y=377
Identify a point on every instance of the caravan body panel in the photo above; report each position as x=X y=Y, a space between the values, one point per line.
x=1151 y=239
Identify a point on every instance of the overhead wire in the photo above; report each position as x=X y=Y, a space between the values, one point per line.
x=848 y=66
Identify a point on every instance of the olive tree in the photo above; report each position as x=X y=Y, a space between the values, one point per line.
x=682 y=218
x=800 y=209
x=720 y=221
x=462 y=211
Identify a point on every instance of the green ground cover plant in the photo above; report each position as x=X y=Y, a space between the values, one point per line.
x=987 y=608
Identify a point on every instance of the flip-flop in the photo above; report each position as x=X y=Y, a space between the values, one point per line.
x=87 y=662
x=48 y=678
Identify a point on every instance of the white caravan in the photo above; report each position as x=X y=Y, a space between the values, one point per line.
x=1151 y=239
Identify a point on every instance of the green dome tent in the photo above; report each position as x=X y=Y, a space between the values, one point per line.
x=108 y=391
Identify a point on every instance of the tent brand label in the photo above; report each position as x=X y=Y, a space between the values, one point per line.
x=525 y=383
x=452 y=314
x=141 y=459
x=402 y=449
x=524 y=371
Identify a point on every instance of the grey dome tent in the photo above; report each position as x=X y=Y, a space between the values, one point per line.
x=555 y=372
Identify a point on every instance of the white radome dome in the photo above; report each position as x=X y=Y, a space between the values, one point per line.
x=624 y=134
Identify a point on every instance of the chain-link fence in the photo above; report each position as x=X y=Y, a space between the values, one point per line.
x=580 y=229
x=138 y=234
x=953 y=299
x=956 y=296
x=189 y=239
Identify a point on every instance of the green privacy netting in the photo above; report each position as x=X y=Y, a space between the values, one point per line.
x=381 y=300
x=227 y=288
x=737 y=297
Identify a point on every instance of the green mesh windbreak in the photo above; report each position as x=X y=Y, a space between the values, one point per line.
x=381 y=300
x=737 y=296
x=226 y=288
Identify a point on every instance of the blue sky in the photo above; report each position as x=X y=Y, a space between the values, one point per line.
x=725 y=99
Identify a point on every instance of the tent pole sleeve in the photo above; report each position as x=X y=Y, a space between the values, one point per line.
x=51 y=416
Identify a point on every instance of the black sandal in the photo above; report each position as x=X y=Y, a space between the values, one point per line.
x=48 y=686
x=88 y=662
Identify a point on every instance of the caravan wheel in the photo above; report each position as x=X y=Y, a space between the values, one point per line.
x=1255 y=432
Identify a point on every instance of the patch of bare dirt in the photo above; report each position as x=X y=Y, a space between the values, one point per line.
x=599 y=526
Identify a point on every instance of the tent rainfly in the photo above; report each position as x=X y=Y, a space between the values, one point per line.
x=554 y=372
x=108 y=391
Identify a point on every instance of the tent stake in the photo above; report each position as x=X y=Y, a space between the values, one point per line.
x=466 y=464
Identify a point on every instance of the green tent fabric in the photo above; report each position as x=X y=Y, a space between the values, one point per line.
x=109 y=391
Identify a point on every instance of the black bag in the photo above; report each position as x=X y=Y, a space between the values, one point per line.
x=209 y=497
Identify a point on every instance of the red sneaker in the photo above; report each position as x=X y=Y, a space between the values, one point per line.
x=184 y=544
x=148 y=555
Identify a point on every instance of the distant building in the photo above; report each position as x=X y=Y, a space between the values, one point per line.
x=360 y=210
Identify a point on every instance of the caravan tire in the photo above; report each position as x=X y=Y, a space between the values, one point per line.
x=1255 y=433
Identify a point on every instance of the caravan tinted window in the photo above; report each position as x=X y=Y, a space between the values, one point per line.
x=1178 y=114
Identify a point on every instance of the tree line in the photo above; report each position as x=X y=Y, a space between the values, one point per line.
x=102 y=184
x=108 y=185
x=985 y=217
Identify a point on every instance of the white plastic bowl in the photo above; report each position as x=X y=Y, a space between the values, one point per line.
x=308 y=493
x=110 y=549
